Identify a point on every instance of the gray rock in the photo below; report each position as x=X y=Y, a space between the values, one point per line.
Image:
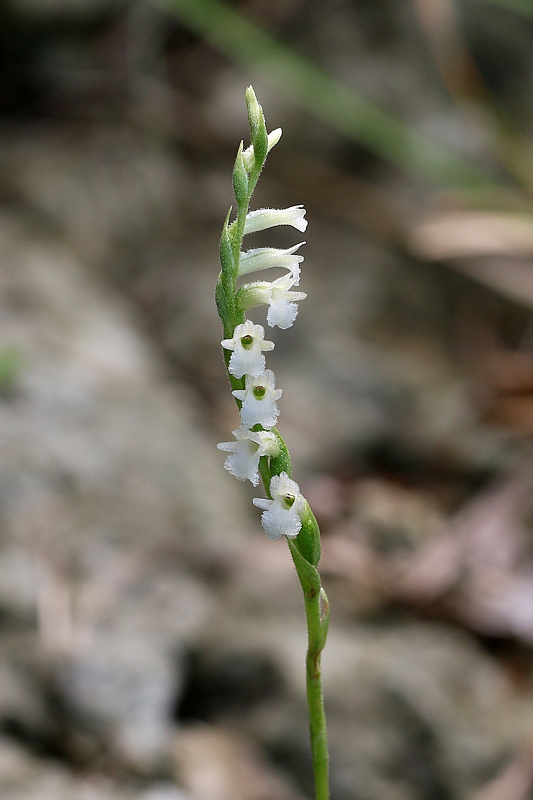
x=108 y=483
x=25 y=777
x=122 y=691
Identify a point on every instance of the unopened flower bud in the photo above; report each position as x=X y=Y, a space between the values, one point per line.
x=266 y=257
x=248 y=154
x=265 y=218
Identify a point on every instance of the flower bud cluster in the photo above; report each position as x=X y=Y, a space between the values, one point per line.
x=257 y=395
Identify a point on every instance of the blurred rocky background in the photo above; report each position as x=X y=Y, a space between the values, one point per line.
x=151 y=639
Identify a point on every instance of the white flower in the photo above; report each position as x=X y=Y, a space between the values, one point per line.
x=248 y=154
x=281 y=515
x=277 y=295
x=259 y=406
x=265 y=257
x=265 y=218
x=248 y=344
x=243 y=461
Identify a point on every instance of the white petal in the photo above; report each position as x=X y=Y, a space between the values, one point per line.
x=273 y=138
x=281 y=314
x=244 y=463
x=247 y=362
x=281 y=485
x=261 y=502
x=227 y=447
x=248 y=329
x=279 y=521
x=263 y=412
x=248 y=154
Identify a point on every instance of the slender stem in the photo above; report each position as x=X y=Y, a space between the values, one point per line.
x=315 y=699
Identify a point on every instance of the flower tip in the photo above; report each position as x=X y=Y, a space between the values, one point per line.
x=273 y=138
x=254 y=109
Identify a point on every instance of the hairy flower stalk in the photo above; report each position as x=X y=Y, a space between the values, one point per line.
x=258 y=449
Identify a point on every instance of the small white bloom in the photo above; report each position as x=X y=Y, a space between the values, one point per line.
x=248 y=344
x=248 y=154
x=259 y=406
x=281 y=515
x=277 y=295
x=265 y=218
x=265 y=257
x=243 y=461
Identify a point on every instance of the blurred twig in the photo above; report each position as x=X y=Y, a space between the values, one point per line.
x=348 y=112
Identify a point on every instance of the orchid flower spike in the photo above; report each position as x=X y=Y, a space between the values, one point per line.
x=277 y=295
x=259 y=453
x=243 y=461
x=265 y=218
x=266 y=257
x=259 y=400
x=248 y=344
x=281 y=515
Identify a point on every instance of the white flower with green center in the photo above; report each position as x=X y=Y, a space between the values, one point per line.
x=266 y=257
x=277 y=295
x=259 y=400
x=243 y=461
x=265 y=218
x=248 y=344
x=281 y=515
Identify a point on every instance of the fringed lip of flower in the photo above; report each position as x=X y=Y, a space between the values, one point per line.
x=259 y=400
x=277 y=295
x=281 y=515
x=244 y=454
x=264 y=218
x=266 y=257
x=248 y=344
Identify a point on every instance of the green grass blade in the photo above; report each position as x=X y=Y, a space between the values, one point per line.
x=348 y=112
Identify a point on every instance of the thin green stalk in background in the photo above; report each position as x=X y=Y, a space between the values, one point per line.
x=324 y=97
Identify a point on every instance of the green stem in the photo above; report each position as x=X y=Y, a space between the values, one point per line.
x=315 y=699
